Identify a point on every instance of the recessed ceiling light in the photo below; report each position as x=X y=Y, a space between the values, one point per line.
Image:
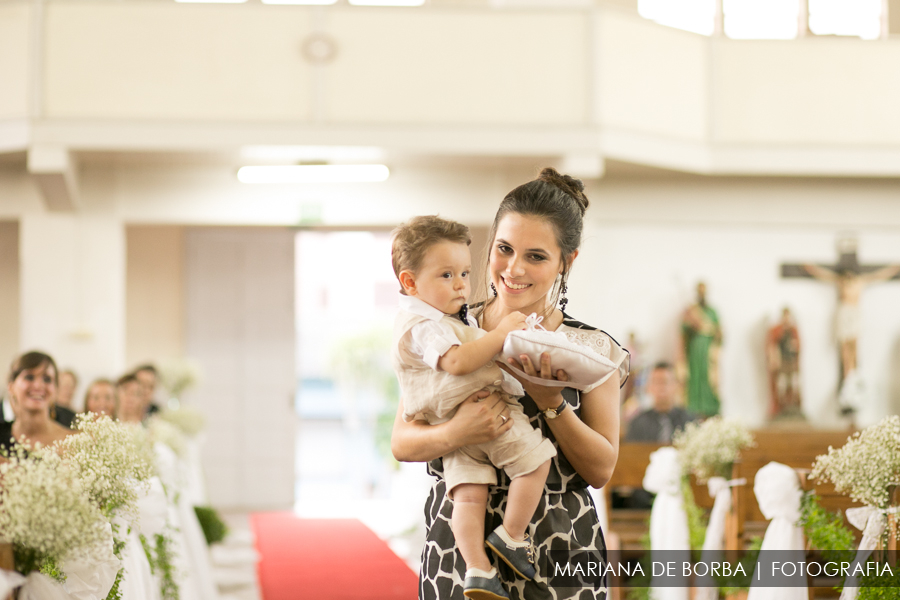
x=313 y=174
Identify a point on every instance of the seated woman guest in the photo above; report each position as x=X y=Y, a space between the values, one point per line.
x=100 y=398
x=130 y=401
x=31 y=390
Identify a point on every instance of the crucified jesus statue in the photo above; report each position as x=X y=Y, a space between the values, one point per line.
x=850 y=286
x=850 y=278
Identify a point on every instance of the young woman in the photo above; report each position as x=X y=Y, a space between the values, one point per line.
x=100 y=398
x=31 y=389
x=534 y=241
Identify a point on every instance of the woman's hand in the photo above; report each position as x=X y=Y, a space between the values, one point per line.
x=480 y=418
x=544 y=396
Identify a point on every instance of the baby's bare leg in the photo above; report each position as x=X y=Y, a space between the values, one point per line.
x=525 y=494
x=469 y=506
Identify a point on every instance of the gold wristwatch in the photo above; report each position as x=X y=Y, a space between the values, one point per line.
x=552 y=413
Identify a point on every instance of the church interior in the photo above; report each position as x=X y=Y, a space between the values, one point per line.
x=210 y=187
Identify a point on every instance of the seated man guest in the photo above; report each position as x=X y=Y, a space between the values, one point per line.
x=659 y=422
x=148 y=377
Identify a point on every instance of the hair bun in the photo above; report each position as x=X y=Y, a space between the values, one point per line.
x=570 y=185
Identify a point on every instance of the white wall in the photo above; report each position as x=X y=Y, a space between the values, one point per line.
x=649 y=243
x=651 y=79
x=649 y=239
x=239 y=306
x=154 y=293
x=72 y=274
x=14 y=59
x=812 y=91
x=246 y=63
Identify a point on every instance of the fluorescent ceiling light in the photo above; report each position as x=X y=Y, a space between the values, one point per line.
x=387 y=2
x=294 y=154
x=303 y=2
x=313 y=174
x=211 y=1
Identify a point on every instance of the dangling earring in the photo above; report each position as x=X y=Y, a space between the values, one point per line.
x=563 y=300
x=493 y=289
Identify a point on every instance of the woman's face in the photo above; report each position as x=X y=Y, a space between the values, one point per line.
x=525 y=262
x=33 y=389
x=101 y=399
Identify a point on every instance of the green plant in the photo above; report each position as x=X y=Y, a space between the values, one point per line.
x=115 y=593
x=824 y=530
x=695 y=516
x=214 y=528
x=160 y=557
x=168 y=587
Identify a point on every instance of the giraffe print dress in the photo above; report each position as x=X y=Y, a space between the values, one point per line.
x=565 y=520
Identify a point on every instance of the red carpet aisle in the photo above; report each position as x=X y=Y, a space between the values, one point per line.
x=327 y=559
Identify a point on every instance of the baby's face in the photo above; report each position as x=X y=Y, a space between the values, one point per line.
x=443 y=279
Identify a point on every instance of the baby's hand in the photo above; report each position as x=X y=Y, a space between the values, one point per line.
x=512 y=322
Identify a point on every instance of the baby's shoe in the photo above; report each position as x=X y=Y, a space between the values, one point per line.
x=518 y=555
x=484 y=585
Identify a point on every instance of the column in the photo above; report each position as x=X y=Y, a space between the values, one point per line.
x=72 y=290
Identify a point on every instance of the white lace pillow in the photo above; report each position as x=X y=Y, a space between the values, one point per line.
x=584 y=366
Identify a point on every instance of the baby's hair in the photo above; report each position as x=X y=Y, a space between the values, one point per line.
x=410 y=241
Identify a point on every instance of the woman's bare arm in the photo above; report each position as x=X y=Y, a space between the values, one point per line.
x=591 y=443
x=477 y=420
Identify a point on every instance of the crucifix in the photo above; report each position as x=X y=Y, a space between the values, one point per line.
x=850 y=278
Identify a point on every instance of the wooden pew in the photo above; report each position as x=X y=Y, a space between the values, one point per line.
x=796 y=448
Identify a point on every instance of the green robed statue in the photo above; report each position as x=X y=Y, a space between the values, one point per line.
x=702 y=338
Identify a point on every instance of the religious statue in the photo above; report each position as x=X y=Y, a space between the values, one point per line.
x=783 y=363
x=850 y=278
x=702 y=339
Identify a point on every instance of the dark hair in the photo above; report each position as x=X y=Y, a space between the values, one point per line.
x=147 y=367
x=32 y=360
x=665 y=365
x=126 y=378
x=555 y=198
x=410 y=241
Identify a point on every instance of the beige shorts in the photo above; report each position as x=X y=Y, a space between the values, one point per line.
x=519 y=451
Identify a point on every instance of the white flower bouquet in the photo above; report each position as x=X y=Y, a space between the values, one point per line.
x=866 y=466
x=189 y=420
x=711 y=447
x=164 y=432
x=112 y=462
x=47 y=514
x=178 y=375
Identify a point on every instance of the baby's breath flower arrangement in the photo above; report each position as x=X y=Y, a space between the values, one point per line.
x=164 y=432
x=866 y=466
x=189 y=420
x=46 y=513
x=111 y=461
x=711 y=447
x=178 y=375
